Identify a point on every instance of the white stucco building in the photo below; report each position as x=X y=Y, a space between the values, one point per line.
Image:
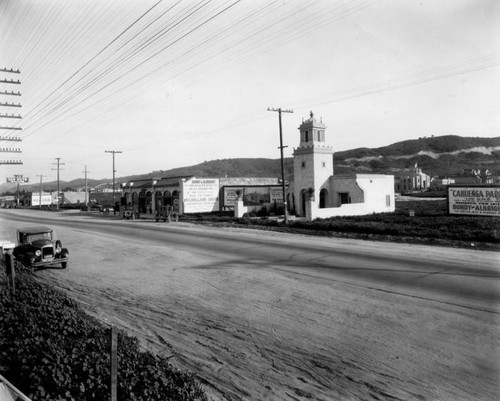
x=317 y=192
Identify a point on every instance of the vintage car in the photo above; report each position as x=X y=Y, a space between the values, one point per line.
x=37 y=247
x=166 y=213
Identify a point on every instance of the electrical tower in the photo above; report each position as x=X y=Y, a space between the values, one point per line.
x=5 y=117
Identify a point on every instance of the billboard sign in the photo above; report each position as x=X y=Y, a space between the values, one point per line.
x=45 y=199
x=231 y=195
x=474 y=200
x=253 y=195
x=201 y=195
x=276 y=194
x=18 y=178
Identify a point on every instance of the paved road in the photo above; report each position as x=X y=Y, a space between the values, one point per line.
x=290 y=316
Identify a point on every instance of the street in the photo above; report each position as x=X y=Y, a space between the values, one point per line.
x=266 y=315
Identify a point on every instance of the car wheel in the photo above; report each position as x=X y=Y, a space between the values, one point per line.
x=64 y=265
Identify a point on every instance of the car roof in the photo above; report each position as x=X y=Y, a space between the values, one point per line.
x=34 y=229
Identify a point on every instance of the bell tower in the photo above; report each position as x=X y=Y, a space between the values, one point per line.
x=312 y=164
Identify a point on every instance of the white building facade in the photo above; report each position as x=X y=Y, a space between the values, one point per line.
x=317 y=192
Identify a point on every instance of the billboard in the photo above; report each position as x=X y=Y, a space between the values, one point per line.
x=253 y=195
x=45 y=199
x=201 y=195
x=474 y=200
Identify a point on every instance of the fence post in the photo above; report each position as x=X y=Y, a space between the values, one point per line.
x=114 y=363
x=11 y=272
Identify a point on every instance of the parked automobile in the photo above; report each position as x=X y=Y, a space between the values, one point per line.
x=38 y=247
x=165 y=213
x=129 y=211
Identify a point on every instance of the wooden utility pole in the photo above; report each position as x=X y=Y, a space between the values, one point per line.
x=86 y=186
x=281 y=147
x=59 y=164
x=114 y=171
x=114 y=363
x=3 y=115
x=40 y=192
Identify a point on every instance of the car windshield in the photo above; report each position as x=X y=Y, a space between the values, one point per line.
x=36 y=237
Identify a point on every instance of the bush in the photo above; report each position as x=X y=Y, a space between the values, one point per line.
x=52 y=350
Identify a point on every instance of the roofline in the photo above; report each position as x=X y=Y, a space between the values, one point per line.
x=35 y=229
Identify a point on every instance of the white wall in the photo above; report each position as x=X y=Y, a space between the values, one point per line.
x=373 y=188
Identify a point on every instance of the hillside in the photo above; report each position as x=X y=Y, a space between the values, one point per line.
x=442 y=155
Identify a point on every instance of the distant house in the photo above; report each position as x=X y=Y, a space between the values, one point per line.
x=412 y=179
x=441 y=183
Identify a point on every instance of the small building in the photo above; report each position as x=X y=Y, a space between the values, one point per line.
x=190 y=194
x=441 y=183
x=412 y=179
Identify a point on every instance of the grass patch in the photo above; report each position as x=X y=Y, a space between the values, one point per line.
x=50 y=349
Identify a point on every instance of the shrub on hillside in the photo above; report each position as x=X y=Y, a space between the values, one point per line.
x=52 y=350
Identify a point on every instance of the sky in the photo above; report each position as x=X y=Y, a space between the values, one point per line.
x=169 y=83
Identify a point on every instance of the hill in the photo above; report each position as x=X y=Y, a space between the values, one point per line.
x=436 y=156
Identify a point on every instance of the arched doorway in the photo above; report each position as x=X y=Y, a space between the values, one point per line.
x=167 y=198
x=134 y=199
x=323 y=197
x=303 y=199
x=126 y=198
x=175 y=200
x=149 y=202
x=158 y=199
x=142 y=201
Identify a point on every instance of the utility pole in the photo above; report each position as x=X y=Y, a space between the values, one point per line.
x=40 y=192
x=3 y=116
x=86 y=186
x=114 y=171
x=59 y=164
x=281 y=147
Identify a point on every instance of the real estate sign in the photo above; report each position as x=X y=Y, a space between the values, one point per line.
x=474 y=200
x=201 y=195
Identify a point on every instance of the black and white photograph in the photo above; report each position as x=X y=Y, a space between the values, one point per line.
x=249 y=200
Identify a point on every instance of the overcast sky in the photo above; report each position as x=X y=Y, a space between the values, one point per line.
x=174 y=83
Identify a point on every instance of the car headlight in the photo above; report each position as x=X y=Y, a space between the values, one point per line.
x=38 y=253
x=58 y=249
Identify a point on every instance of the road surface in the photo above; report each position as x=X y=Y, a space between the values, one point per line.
x=261 y=315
